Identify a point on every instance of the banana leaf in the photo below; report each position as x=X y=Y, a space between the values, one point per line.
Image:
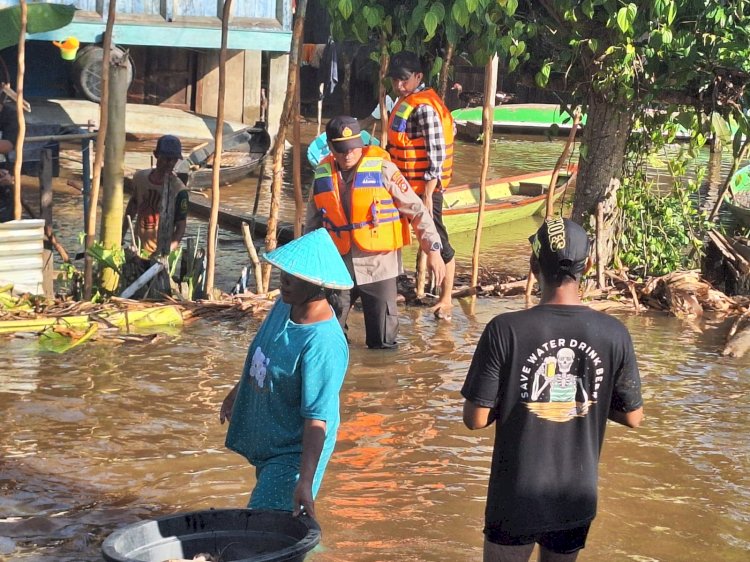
x=40 y=18
x=61 y=340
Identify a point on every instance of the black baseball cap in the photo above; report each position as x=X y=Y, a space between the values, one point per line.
x=562 y=248
x=169 y=146
x=344 y=134
x=403 y=64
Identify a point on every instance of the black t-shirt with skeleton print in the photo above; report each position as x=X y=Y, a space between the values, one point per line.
x=552 y=373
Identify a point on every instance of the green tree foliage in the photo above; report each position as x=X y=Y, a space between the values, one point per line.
x=649 y=66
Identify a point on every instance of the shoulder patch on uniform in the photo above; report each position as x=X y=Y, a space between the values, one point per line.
x=399 y=179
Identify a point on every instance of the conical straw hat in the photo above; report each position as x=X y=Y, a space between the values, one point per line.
x=314 y=258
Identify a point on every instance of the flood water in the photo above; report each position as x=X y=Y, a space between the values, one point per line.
x=108 y=435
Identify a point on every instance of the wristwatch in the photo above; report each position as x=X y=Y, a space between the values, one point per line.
x=436 y=247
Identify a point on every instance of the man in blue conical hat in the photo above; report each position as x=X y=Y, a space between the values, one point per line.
x=284 y=411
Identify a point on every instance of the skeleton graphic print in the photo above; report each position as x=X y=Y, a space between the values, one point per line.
x=561 y=378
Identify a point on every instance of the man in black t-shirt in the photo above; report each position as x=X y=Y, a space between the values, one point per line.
x=549 y=377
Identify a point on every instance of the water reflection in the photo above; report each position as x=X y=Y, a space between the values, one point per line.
x=110 y=435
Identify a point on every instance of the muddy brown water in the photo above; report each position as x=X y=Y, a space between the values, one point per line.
x=106 y=436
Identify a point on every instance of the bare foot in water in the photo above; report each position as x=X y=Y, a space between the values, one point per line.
x=442 y=311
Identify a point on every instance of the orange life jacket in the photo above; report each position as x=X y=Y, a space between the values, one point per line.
x=376 y=225
x=410 y=154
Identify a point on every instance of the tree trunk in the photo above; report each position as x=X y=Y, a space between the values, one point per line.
x=114 y=164
x=278 y=145
x=602 y=153
x=445 y=71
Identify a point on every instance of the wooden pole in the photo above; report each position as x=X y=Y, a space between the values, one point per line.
x=299 y=203
x=278 y=145
x=17 y=206
x=113 y=172
x=252 y=252
x=213 y=221
x=490 y=86
x=45 y=187
x=384 y=63
x=552 y=188
x=560 y=162
x=88 y=271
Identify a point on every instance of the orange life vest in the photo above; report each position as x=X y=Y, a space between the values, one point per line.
x=375 y=225
x=410 y=154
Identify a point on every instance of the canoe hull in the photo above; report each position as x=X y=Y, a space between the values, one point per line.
x=505 y=201
x=245 y=148
x=533 y=118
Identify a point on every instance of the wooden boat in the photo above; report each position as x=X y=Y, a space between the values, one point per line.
x=527 y=118
x=738 y=201
x=535 y=118
x=242 y=153
x=507 y=199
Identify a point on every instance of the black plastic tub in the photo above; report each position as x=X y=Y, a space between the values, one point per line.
x=229 y=535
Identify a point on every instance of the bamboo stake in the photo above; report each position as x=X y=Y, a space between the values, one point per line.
x=599 y=245
x=560 y=162
x=278 y=145
x=490 y=86
x=531 y=279
x=299 y=203
x=88 y=270
x=17 y=206
x=248 y=239
x=213 y=221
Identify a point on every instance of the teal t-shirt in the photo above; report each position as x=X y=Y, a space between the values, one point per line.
x=292 y=372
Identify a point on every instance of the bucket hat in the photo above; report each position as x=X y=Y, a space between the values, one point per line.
x=562 y=247
x=313 y=258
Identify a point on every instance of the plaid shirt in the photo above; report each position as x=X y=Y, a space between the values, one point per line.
x=425 y=122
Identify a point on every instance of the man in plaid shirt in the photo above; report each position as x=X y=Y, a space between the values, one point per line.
x=420 y=141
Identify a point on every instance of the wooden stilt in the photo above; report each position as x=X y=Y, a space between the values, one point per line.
x=88 y=271
x=17 y=205
x=278 y=146
x=490 y=85
x=213 y=221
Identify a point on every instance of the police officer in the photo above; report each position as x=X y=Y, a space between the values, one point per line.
x=367 y=206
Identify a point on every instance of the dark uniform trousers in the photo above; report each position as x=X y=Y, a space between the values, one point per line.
x=379 y=307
